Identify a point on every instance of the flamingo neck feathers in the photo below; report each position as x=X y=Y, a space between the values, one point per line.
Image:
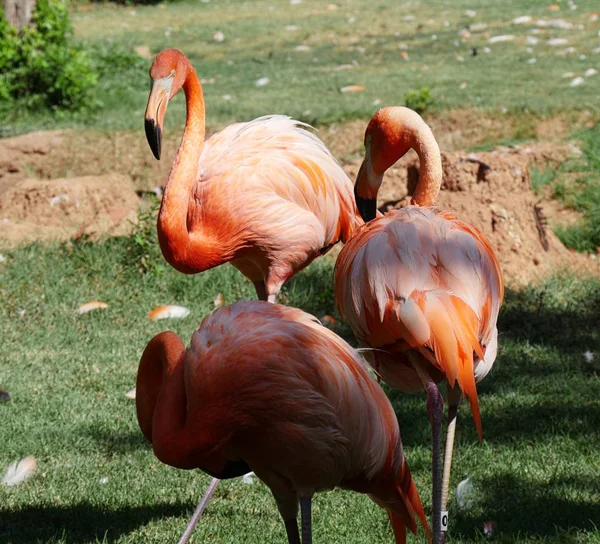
x=430 y=167
x=162 y=405
x=185 y=244
x=392 y=132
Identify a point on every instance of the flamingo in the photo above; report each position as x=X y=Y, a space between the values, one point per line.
x=266 y=196
x=266 y=387
x=420 y=286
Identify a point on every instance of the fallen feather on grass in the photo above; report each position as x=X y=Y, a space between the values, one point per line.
x=168 y=311
x=328 y=321
x=488 y=528
x=262 y=81
x=219 y=300
x=471 y=13
x=219 y=36
x=553 y=42
x=89 y=306
x=2 y=258
x=352 y=89
x=590 y=72
x=130 y=394
x=530 y=40
x=502 y=38
x=532 y=61
x=104 y=480
x=588 y=356
x=248 y=478
x=465 y=494
x=302 y=48
x=18 y=471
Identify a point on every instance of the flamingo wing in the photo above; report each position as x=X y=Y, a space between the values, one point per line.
x=418 y=281
x=278 y=169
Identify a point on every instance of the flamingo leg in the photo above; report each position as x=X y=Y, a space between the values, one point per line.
x=435 y=409
x=198 y=512
x=291 y=529
x=305 y=504
x=454 y=396
x=261 y=289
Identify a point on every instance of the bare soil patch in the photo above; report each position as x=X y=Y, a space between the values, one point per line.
x=62 y=209
x=489 y=189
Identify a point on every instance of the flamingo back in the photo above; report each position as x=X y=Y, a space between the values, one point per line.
x=299 y=402
x=416 y=282
x=275 y=161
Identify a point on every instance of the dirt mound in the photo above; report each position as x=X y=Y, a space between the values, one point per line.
x=492 y=190
x=61 y=209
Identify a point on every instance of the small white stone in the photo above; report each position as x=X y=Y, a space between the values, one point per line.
x=590 y=72
x=262 y=81
x=471 y=13
x=532 y=61
x=576 y=82
x=227 y=97
x=219 y=36
x=503 y=38
x=522 y=20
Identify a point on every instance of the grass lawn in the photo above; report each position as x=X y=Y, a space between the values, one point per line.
x=537 y=473
x=309 y=51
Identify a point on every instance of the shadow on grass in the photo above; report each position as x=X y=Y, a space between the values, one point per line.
x=81 y=523
x=111 y=442
x=523 y=510
x=533 y=315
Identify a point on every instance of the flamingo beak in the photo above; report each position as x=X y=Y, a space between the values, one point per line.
x=364 y=196
x=155 y=112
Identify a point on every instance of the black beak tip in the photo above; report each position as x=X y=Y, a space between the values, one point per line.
x=154 y=136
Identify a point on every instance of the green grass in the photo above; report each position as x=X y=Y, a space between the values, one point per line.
x=576 y=183
x=358 y=43
x=536 y=473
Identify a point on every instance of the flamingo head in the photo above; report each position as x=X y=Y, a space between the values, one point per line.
x=391 y=133
x=167 y=74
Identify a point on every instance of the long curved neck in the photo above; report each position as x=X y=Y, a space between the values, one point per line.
x=162 y=407
x=430 y=169
x=160 y=391
x=176 y=242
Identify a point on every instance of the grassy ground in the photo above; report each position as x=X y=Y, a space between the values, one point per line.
x=536 y=473
x=356 y=43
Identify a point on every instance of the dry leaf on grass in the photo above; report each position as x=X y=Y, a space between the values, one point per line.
x=18 y=471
